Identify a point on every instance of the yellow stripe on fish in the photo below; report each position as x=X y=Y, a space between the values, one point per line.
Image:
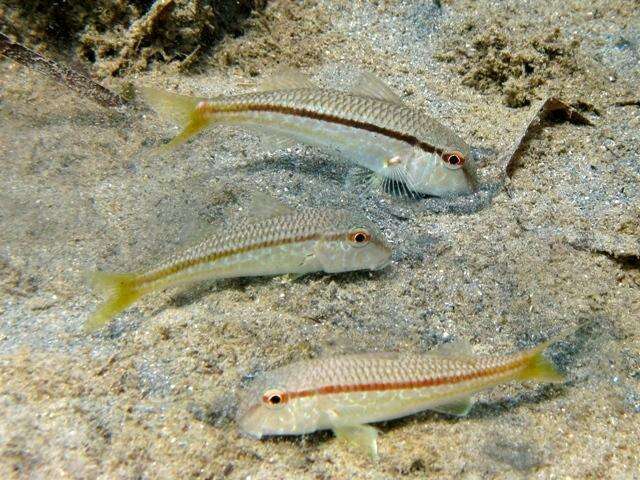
x=279 y=241
x=368 y=125
x=345 y=393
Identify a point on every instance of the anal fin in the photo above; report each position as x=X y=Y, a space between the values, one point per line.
x=364 y=437
x=459 y=407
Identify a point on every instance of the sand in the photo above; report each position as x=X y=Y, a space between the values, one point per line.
x=556 y=246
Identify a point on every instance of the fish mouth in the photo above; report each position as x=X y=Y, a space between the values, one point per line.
x=385 y=262
x=258 y=435
x=471 y=181
x=464 y=184
x=247 y=419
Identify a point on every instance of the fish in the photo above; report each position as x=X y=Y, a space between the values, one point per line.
x=273 y=240
x=407 y=151
x=348 y=392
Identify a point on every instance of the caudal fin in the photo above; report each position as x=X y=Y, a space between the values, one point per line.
x=120 y=291
x=539 y=369
x=181 y=109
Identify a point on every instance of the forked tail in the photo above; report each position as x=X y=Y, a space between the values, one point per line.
x=538 y=368
x=181 y=109
x=120 y=291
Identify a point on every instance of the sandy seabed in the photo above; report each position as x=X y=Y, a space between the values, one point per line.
x=554 y=247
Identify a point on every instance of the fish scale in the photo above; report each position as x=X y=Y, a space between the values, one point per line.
x=245 y=235
x=372 y=128
x=364 y=369
x=347 y=106
x=297 y=242
x=344 y=393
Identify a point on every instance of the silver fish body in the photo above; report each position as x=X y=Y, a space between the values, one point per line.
x=298 y=242
x=308 y=240
x=346 y=392
x=374 y=130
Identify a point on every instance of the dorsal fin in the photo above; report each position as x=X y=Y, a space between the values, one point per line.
x=368 y=85
x=260 y=206
x=456 y=348
x=285 y=79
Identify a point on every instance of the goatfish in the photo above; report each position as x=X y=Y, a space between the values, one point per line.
x=345 y=393
x=369 y=125
x=274 y=240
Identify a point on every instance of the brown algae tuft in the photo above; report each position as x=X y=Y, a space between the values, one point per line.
x=497 y=61
x=119 y=35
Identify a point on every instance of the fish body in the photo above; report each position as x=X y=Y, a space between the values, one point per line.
x=297 y=242
x=346 y=393
x=369 y=125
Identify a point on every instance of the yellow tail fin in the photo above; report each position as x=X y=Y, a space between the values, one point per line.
x=539 y=369
x=181 y=109
x=121 y=292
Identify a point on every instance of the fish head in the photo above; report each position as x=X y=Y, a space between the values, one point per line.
x=276 y=405
x=442 y=174
x=353 y=243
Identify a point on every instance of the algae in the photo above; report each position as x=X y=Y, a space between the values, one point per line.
x=153 y=395
x=117 y=36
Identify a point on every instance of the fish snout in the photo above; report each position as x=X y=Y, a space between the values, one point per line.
x=384 y=259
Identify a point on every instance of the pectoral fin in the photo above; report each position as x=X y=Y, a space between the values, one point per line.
x=364 y=437
x=459 y=408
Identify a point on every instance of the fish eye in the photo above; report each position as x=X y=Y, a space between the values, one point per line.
x=453 y=160
x=274 y=398
x=359 y=237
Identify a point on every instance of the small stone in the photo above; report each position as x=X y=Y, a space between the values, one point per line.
x=39 y=303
